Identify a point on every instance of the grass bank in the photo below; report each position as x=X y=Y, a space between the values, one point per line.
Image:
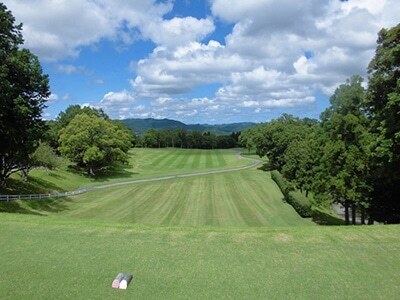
x=52 y=258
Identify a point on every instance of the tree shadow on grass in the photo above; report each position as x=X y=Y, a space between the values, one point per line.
x=322 y=217
x=35 y=207
x=266 y=167
x=15 y=208
x=32 y=186
x=117 y=171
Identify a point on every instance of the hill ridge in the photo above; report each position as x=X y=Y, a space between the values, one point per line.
x=139 y=126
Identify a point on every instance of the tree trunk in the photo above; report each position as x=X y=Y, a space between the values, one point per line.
x=353 y=214
x=362 y=215
x=24 y=174
x=3 y=182
x=91 y=173
x=370 y=221
x=346 y=213
x=307 y=193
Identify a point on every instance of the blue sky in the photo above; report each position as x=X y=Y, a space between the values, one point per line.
x=212 y=61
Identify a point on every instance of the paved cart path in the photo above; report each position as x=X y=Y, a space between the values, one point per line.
x=255 y=162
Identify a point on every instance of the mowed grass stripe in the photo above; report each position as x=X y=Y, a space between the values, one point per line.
x=160 y=158
x=209 y=160
x=195 y=165
x=183 y=161
x=242 y=198
x=220 y=161
x=143 y=163
x=169 y=163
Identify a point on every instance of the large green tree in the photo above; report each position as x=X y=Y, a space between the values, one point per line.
x=345 y=155
x=23 y=93
x=383 y=106
x=273 y=138
x=95 y=143
x=54 y=126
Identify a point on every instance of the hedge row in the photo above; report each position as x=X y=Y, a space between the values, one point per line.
x=283 y=184
x=300 y=203
x=324 y=217
x=296 y=199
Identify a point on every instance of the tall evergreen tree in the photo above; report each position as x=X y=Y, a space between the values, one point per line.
x=345 y=159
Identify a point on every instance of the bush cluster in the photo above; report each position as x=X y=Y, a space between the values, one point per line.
x=283 y=184
x=296 y=199
x=300 y=203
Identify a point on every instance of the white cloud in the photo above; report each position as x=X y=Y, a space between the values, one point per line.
x=52 y=98
x=71 y=69
x=57 y=29
x=279 y=55
x=167 y=73
x=118 y=104
x=178 y=31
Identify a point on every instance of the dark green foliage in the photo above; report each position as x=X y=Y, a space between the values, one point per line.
x=283 y=184
x=383 y=106
x=345 y=156
x=45 y=156
x=296 y=199
x=23 y=93
x=273 y=139
x=187 y=139
x=323 y=217
x=300 y=203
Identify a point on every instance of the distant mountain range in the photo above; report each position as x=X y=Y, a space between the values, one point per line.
x=139 y=126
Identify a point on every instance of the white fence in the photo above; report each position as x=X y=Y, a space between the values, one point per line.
x=86 y=189
x=41 y=196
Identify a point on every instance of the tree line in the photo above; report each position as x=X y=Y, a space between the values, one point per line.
x=351 y=155
x=182 y=138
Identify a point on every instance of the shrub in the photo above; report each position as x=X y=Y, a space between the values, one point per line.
x=323 y=217
x=282 y=183
x=296 y=199
x=300 y=203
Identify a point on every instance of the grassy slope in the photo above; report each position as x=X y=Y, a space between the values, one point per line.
x=245 y=198
x=52 y=258
x=143 y=163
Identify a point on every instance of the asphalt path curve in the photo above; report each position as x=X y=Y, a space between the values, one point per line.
x=255 y=162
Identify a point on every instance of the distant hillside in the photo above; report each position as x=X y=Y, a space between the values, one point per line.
x=139 y=126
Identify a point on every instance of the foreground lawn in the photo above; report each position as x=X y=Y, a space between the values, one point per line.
x=241 y=198
x=143 y=163
x=53 y=258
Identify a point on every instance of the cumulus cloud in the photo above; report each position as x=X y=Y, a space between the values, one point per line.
x=118 y=104
x=279 y=54
x=178 y=31
x=178 y=71
x=57 y=29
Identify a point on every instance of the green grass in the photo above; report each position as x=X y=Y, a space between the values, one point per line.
x=244 y=198
x=53 y=258
x=143 y=163
x=218 y=236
